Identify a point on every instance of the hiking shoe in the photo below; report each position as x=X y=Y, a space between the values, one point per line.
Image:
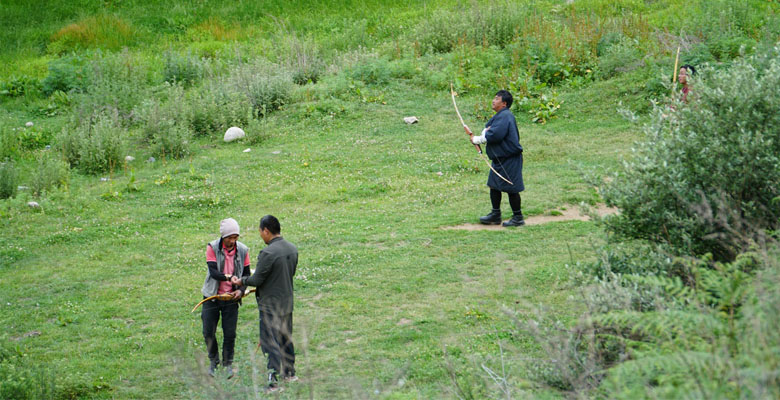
x=517 y=220
x=212 y=370
x=230 y=371
x=494 y=218
x=291 y=378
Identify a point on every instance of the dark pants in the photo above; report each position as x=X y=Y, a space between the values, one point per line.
x=514 y=201
x=210 y=316
x=276 y=342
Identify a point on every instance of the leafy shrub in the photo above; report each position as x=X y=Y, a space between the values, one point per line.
x=215 y=107
x=183 y=69
x=493 y=25
x=265 y=86
x=544 y=66
x=304 y=59
x=8 y=179
x=50 y=171
x=65 y=74
x=173 y=142
x=721 y=153
x=376 y=72
x=96 y=145
x=618 y=58
x=33 y=138
x=168 y=108
x=117 y=83
x=17 y=86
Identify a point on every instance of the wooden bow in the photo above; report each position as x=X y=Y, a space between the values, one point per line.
x=223 y=297
x=471 y=135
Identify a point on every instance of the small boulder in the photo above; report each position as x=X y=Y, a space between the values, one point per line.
x=234 y=133
x=411 y=120
x=29 y=124
x=247 y=150
x=151 y=160
x=33 y=204
x=129 y=158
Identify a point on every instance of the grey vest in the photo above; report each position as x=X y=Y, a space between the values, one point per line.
x=210 y=286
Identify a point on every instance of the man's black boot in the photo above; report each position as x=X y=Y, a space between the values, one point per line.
x=494 y=218
x=517 y=220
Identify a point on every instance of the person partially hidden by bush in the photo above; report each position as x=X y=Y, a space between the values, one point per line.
x=707 y=178
x=684 y=75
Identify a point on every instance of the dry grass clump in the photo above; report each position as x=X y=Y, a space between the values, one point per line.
x=99 y=31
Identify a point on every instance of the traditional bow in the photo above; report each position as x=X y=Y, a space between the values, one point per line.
x=223 y=297
x=468 y=131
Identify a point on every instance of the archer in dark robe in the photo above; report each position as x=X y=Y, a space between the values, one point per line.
x=504 y=149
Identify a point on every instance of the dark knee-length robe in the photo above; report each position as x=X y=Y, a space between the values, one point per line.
x=504 y=149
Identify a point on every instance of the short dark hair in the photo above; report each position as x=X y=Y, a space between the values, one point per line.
x=690 y=68
x=506 y=97
x=271 y=223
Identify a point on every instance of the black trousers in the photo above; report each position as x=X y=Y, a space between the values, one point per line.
x=276 y=342
x=210 y=316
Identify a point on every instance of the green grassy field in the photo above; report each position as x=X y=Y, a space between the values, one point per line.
x=98 y=284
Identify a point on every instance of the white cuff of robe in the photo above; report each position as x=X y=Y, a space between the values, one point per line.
x=478 y=139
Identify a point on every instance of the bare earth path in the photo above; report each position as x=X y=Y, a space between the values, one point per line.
x=572 y=213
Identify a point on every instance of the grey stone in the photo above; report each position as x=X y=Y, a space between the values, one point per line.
x=411 y=120
x=129 y=158
x=33 y=204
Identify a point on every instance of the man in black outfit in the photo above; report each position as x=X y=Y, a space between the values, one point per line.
x=276 y=265
x=504 y=149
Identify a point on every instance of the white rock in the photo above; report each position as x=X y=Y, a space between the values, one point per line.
x=22 y=188
x=234 y=133
x=411 y=120
x=440 y=173
x=29 y=124
x=129 y=158
x=247 y=150
x=33 y=204
x=104 y=179
x=276 y=152
x=151 y=159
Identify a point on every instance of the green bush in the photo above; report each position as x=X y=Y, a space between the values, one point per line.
x=494 y=25
x=117 y=82
x=620 y=57
x=95 y=145
x=265 y=86
x=173 y=142
x=17 y=86
x=65 y=74
x=183 y=69
x=50 y=171
x=374 y=72
x=8 y=179
x=168 y=108
x=33 y=138
x=215 y=107
x=708 y=176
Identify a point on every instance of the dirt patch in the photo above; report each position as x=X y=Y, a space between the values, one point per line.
x=572 y=213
